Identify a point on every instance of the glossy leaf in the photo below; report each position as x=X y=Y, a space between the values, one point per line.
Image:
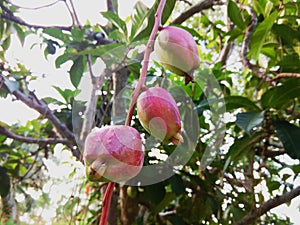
x=177 y=184
x=279 y=97
x=117 y=21
x=249 y=120
x=5 y=182
x=289 y=135
x=234 y=13
x=235 y=102
x=138 y=17
x=67 y=94
x=290 y=63
x=77 y=33
x=21 y=34
x=242 y=146
x=62 y=59
x=260 y=33
x=77 y=70
x=168 y=9
x=57 y=33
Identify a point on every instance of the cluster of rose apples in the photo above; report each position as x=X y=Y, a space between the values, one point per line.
x=115 y=153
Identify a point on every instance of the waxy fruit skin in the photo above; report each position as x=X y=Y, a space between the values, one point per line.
x=113 y=153
x=159 y=115
x=177 y=51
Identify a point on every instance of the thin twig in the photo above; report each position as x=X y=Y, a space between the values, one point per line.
x=33 y=102
x=136 y=92
x=31 y=140
x=286 y=75
x=73 y=13
x=19 y=21
x=187 y=2
x=268 y=205
x=89 y=114
x=245 y=60
x=145 y=65
x=110 y=6
x=35 y=8
x=198 y=7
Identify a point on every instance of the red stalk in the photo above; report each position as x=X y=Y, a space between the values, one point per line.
x=106 y=203
x=109 y=191
x=145 y=65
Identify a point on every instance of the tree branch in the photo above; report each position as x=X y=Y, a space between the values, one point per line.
x=89 y=113
x=32 y=101
x=196 y=8
x=8 y=15
x=268 y=205
x=110 y=6
x=35 y=8
x=73 y=13
x=245 y=60
x=149 y=47
x=32 y=140
x=286 y=75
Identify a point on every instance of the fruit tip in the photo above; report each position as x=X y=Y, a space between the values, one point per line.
x=177 y=139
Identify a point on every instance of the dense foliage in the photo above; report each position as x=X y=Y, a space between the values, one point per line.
x=241 y=115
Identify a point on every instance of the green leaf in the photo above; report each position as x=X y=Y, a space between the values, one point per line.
x=21 y=34
x=259 y=35
x=110 y=54
x=1 y=28
x=273 y=185
x=150 y=17
x=117 y=21
x=289 y=135
x=168 y=9
x=177 y=184
x=57 y=33
x=235 y=102
x=67 y=94
x=288 y=34
x=77 y=34
x=279 y=97
x=5 y=182
x=62 y=59
x=243 y=146
x=235 y=15
x=248 y=120
x=290 y=63
x=77 y=70
x=154 y=193
x=140 y=12
x=6 y=43
x=165 y=202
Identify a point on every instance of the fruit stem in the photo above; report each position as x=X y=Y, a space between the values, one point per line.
x=106 y=203
x=140 y=86
x=145 y=65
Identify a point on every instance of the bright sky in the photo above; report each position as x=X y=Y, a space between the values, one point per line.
x=34 y=59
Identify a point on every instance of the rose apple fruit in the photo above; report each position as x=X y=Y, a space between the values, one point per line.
x=177 y=51
x=159 y=115
x=113 y=153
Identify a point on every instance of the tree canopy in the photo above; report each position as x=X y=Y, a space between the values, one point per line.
x=240 y=117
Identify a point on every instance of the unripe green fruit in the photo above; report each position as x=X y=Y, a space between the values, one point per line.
x=177 y=51
x=131 y=191
x=159 y=115
x=113 y=153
